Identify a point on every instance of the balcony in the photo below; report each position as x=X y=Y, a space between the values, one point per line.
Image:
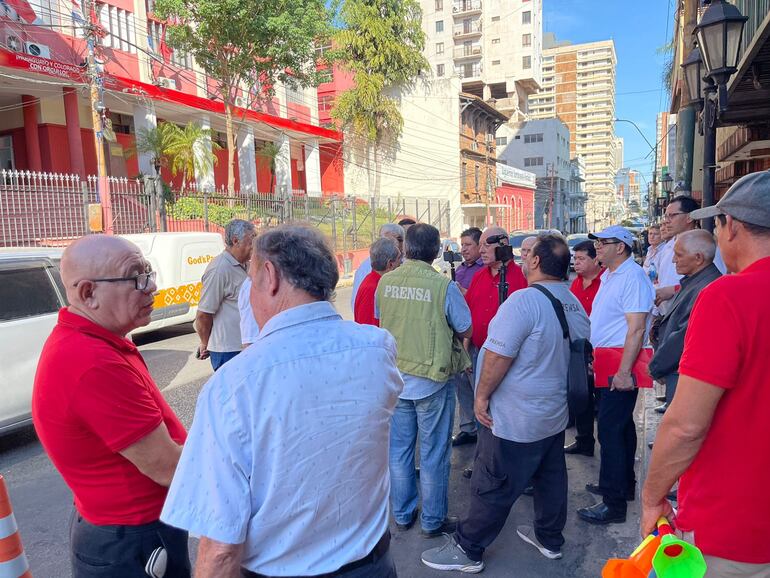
x=467 y=52
x=467 y=30
x=746 y=143
x=469 y=71
x=466 y=8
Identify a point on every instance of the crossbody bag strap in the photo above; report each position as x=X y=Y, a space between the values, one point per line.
x=557 y=307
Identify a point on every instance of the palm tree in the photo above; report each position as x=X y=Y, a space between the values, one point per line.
x=267 y=155
x=189 y=152
x=157 y=142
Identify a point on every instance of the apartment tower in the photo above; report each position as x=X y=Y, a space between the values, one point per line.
x=493 y=46
x=578 y=86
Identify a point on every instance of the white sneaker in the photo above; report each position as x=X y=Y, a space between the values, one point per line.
x=451 y=557
x=527 y=533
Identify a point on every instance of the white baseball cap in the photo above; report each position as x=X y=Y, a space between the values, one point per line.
x=615 y=232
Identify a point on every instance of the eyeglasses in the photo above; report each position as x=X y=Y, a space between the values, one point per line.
x=669 y=216
x=141 y=281
x=598 y=243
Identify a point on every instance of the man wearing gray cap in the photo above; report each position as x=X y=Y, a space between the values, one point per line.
x=619 y=324
x=716 y=434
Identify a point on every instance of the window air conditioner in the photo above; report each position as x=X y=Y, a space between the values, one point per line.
x=240 y=102
x=165 y=82
x=36 y=49
x=13 y=43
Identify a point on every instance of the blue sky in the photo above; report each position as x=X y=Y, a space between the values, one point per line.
x=638 y=29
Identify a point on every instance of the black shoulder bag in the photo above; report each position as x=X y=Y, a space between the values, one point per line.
x=580 y=358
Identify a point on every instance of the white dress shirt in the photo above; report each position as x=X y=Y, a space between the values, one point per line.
x=625 y=290
x=249 y=326
x=288 y=451
x=667 y=275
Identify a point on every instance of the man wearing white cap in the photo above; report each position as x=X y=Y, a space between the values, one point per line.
x=619 y=324
x=716 y=434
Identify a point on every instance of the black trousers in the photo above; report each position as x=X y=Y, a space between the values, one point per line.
x=123 y=551
x=617 y=436
x=501 y=471
x=584 y=422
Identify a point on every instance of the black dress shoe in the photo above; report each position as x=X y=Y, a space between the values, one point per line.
x=601 y=514
x=529 y=491
x=467 y=473
x=464 y=438
x=595 y=489
x=575 y=449
x=447 y=527
x=661 y=408
x=409 y=524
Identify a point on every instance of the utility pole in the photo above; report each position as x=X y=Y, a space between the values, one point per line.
x=550 y=200
x=93 y=33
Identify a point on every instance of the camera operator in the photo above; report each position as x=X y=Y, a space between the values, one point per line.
x=483 y=298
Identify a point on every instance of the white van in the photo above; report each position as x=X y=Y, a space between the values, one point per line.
x=31 y=294
x=180 y=260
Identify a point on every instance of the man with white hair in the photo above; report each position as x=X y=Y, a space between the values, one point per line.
x=694 y=259
x=385 y=256
x=387 y=231
x=526 y=247
x=218 y=321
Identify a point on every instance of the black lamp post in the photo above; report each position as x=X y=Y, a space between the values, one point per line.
x=719 y=34
x=667 y=182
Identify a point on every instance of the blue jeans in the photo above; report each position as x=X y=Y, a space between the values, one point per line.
x=219 y=358
x=431 y=420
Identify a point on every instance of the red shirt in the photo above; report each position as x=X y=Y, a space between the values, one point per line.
x=723 y=495
x=586 y=296
x=94 y=397
x=483 y=301
x=363 y=310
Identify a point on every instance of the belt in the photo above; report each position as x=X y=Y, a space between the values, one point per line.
x=379 y=550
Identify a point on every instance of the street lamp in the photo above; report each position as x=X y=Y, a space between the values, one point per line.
x=719 y=34
x=667 y=182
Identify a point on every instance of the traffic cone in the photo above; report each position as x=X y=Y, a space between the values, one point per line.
x=13 y=561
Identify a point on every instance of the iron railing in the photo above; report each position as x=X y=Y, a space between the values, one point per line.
x=42 y=209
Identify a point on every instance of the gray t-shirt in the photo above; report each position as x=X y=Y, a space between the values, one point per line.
x=530 y=404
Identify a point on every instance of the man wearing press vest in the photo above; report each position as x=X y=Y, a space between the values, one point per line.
x=427 y=315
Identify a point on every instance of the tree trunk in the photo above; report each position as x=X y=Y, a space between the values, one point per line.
x=230 y=149
x=377 y=173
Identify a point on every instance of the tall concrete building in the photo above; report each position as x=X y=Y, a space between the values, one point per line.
x=665 y=135
x=493 y=46
x=578 y=86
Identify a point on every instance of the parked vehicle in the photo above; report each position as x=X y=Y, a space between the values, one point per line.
x=180 y=260
x=517 y=238
x=31 y=294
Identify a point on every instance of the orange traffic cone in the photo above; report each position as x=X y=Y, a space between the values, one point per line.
x=13 y=561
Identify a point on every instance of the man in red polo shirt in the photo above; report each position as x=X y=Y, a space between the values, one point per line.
x=102 y=419
x=482 y=296
x=584 y=287
x=716 y=432
x=385 y=256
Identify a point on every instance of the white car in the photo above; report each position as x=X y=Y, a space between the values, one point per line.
x=31 y=294
x=573 y=240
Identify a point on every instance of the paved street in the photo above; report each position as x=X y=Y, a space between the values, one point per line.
x=42 y=503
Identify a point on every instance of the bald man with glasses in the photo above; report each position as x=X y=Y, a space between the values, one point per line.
x=102 y=419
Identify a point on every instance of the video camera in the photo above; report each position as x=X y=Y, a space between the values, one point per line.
x=503 y=252
x=451 y=257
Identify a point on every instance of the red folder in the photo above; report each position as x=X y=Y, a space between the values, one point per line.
x=607 y=362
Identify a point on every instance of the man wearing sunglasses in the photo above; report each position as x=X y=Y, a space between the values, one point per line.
x=102 y=419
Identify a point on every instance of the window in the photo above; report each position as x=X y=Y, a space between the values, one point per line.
x=119 y=25
x=526 y=17
x=495 y=63
x=154 y=34
x=46 y=10
x=536 y=137
x=26 y=292
x=464 y=175
x=478 y=178
x=495 y=41
x=439 y=5
x=526 y=40
x=501 y=141
x=320 y=51
x=495 y=19
x=533 y=162
x=439 y=25
x=439 y=48
x=526 y=62
x=439 y=70
x=325 y=103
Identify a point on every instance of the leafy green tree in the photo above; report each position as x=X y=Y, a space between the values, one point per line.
x=380 y=42
x=156 y=142
x=192 y=152
x=247 y=46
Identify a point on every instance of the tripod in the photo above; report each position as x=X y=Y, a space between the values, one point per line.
x=502 y=286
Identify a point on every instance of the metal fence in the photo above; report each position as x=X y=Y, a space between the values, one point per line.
x=42 y=209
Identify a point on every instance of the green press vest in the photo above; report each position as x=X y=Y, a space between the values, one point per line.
x=412 y=306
